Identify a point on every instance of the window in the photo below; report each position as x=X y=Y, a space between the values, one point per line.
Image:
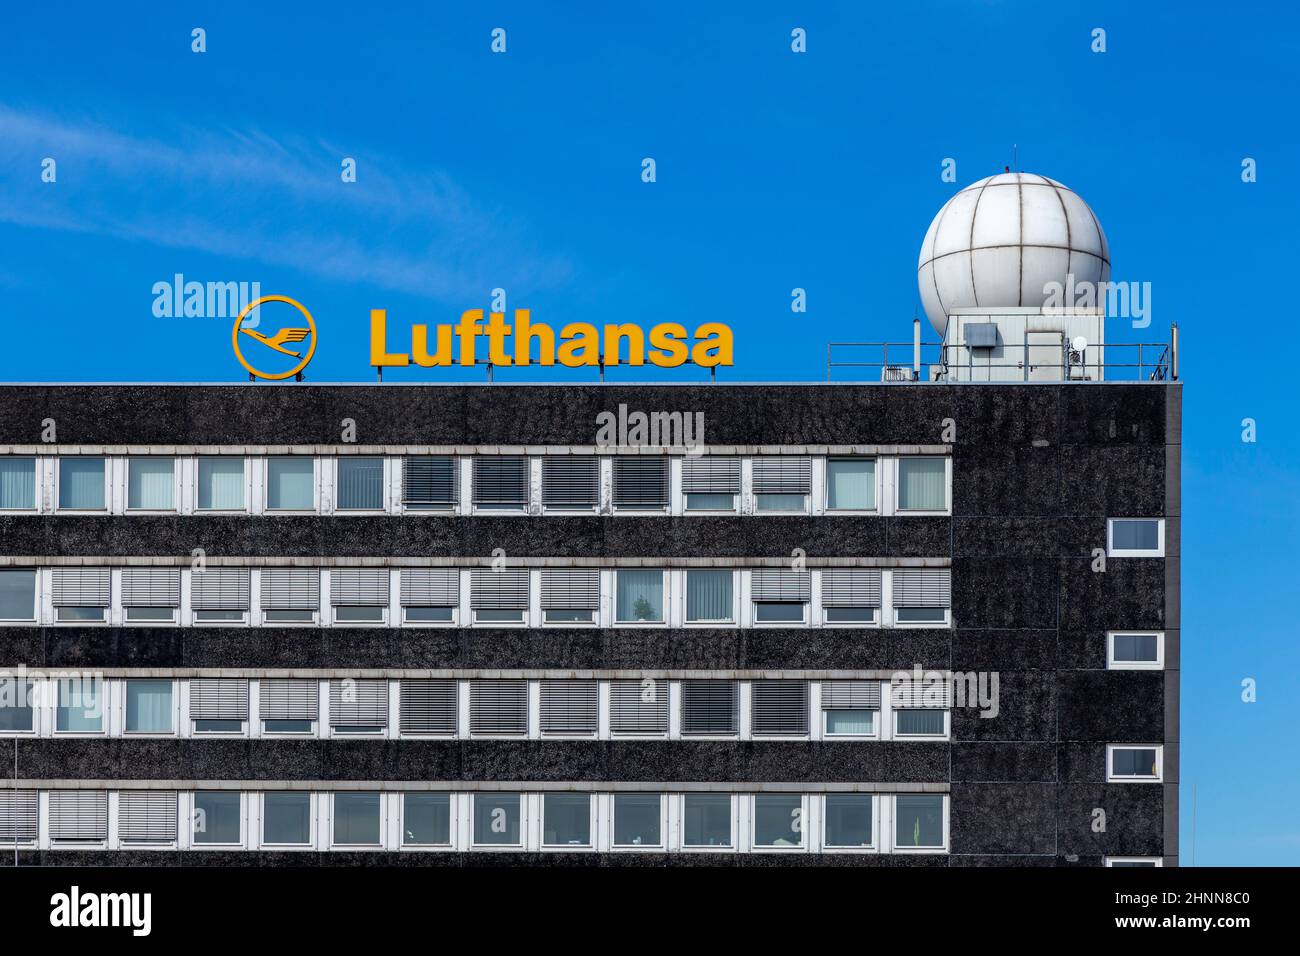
x=17 y=595
x=501 y=483
x=1127 y=861
x=149 y=707
x=221 y=484
x=851 y=595
x=81 y=484
x=219 y=595
x=710 y=483
x=706 y=820
x=1136 y=651
x=569 y=707
x=358 y=706
x=639 y=597
x=219 y=705
x=570 y=597
x=359 y=595
x=289 y=706
x=147 y=817
x=780 y=597
x=17 y=484
x=851 y=484
x=710 y=708
x=778 y=820
x=151 y=595
x=291 y=484
x=1136 y=537
x=218 y=818
x=922 y=484
x=498 y=707
x=430 y=484
x=918 y=822
x=782 y=484
x=80 y=706
x=357 y=819
x=499 y=597
x=709 y=597
x=496 y=819
x=1126 y=763
x=638 y=819
x=80 y=595
x=430 y=595
x=17 y=698
x=921 y=595
x=921 y=707
x=290 y=595
x=286 y=819
x=78 y=816
x=638 y=707
x=850 y=707
x=151 y=484
x=360 y=484
x=566 y=819
x=428 y=707
x=426 y=819
x=641 y=482
x=19 y=812
x=570 y=483
x=849 y=820
x=779 y=708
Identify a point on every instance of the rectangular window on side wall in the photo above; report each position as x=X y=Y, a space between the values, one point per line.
x=290 y=595
x=641 y=482
x=709 y=596
x=497 y=819
x=221 y=484
x=80 y=595
x=219 y=595
x=286 y=819
x=711 y=483
x=426 y=819
x=779 y=708
x=922 y=484
x=499 y=597
x=81 y=706
x=918 y=822
x=430 y=483
x=566 y=820
x=17 y=484
x=851 y=484
x=921 y=707
x=289 y=706
x=922 y=595
x=17 y=703
x=706 y=820
x=17 y=595
x=428 y=707
x=501 y=483
x=19 y=816
x=638 y=707
x=359 y=595
x=570 y=482
x=570 y=596
x=430 y=595
x=219 y=705
x=710 y=708
x=291 y=483
x=151 y=484
x=151 y=595
x=360 y=484
x=78 y=816
x=850 y=708
x=150 y=706
x=498 y=708
x=849 y=821
x=358 y=706
x=851 y=596
x=358 y=818
x=639 y=596
x=779 y=596
x=147 y=817
x=638 y=820
x=218 y=818
x=81 y=484
x=778 y=821
x=782 y=483
x=1135 y=650
x=1127 y=763
x=569 y=708
x=1136 y=537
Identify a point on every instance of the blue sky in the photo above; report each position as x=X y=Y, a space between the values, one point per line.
x=775 y=171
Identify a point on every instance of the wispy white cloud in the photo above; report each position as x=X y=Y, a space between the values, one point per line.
x=274 y=200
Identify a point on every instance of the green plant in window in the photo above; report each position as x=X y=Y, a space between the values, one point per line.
x=916 y=832
x=642 y=609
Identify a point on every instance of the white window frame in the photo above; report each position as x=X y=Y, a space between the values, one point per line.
x=687 y=510
x=1160 y=763
x=37 y=597
x=1152 y=860
x=896 y=474
x=315 y=482
x=732 y=847
x=385 y=503
x=357 y=847
x=664 y=600
x=946 y=809
x=175 y=707
x=1113 y=552
x=874 y=846
x=802 y=622
x=452 y=804
x=190 y=804
x=108 y=484
x=35 y=702
x=732 y=621
x=523 y=797
x=877 y=476
x=592 y=832
x=895 y=735
x=454 y=622
x=1114 y=664
x=876 y=620
x=804 y=819
x=243 y=509
x=105 y=707
x=153 y=622
x=313 y=826
x=37 y=486
x=659 y=847
x=127 y=461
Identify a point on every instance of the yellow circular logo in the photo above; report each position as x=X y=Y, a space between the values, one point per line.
x=279 y=342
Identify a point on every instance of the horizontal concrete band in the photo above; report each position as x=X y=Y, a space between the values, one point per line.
x=440 y=786
x=472 y=673
x=187 y=561
x=235 y=449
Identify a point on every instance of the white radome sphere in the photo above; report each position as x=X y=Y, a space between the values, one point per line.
x=1001 y=240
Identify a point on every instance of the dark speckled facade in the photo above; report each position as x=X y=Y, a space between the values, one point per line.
x=1037 y=470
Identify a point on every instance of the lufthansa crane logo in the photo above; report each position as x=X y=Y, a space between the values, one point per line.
x=291 y=339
